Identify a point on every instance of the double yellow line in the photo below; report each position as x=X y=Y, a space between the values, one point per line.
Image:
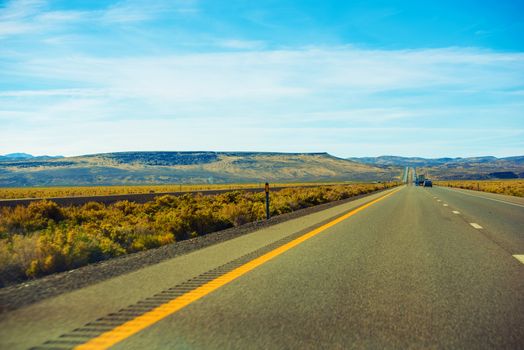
x=127 y=329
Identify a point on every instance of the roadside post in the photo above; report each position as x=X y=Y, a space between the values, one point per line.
x=267 y=200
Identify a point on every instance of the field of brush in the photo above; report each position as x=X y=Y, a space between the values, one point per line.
x=93 y=191
x=44 y=237
x=508 y=187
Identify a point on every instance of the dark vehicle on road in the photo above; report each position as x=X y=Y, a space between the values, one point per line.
x=428 y=183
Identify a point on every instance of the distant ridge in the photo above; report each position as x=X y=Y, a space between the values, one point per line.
x=130 y=168
x=138 y=168
x=17 y=156
x=24 y=156
x=476 y=168
x=418 y=161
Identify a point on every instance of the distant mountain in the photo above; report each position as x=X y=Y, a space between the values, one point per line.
x=14 y=156
x=402 y=161
x=417 y=161
x=518 y=159
x=127 y=168
x=487 y=167
x=24 y=156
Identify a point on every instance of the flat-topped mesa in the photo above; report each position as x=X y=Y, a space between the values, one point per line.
x=171 y=158
x=161 y=158
x=250 y=154
x=197 y=167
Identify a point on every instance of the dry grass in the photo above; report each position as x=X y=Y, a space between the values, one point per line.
x=508 y=187
x=81 y=191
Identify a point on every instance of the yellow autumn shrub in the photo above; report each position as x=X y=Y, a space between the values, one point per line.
x=513 y=187
x=44 y=238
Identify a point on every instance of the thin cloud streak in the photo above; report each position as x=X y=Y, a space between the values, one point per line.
x=347 y=93
x=279 y=73
x=33 y=16
x=109 y=136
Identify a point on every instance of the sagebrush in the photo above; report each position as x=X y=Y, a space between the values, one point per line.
x=44 y=238
x=508 y=187
x=82 y=191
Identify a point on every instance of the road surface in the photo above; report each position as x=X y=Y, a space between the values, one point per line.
x=418 y=268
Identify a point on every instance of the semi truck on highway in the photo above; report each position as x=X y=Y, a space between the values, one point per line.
x=422 y=181
x=419 y=181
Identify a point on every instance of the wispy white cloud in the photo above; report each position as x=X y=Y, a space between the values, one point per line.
x=241 y=44
x=54 y=93
x=57 y=17
x=15 y=10
x=83 y=137
x=313 y=99
x=128 y=11
x=32 y=19
x=15 y=16
x=35 y=16
x=13 y=28
x=285 y=73
x=243 y=94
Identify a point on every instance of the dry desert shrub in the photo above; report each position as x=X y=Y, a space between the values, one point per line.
x=507 y=187
x=44 y=238
x=76 y=191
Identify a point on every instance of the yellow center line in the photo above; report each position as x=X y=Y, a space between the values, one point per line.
x=127 y=329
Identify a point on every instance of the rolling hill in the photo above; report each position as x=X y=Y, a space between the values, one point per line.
x=127 y=168
x=473 y=168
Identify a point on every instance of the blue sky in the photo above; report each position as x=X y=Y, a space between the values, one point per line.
x=353 y=78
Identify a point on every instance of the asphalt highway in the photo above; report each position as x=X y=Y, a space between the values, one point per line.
x=420 y=268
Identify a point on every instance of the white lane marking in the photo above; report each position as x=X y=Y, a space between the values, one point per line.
x=456 y=212
x=434 y=197
x=519 y=257
x=491 y=199
x=477 y=226
x=445 y=205
x=438 y=200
